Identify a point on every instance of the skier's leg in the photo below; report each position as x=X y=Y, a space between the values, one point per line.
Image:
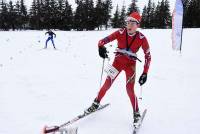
x=107 y=84
x=46 y=42
x=53 y=43
x=103 y=89
x=130 y=82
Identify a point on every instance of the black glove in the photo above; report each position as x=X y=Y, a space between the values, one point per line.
x=103 y=52
x=143 y=79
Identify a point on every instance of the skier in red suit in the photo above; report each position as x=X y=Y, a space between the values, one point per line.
x=129 y=42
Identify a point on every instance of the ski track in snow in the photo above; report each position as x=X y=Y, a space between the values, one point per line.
x=46 y=87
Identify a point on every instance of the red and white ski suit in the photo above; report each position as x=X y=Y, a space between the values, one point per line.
x=126 y=63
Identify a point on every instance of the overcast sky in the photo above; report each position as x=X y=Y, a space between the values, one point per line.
x=140 y=3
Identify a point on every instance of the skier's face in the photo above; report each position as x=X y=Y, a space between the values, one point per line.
x=132 y=26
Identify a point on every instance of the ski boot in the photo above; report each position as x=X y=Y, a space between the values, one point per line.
x=136 y=117
x=95 y=105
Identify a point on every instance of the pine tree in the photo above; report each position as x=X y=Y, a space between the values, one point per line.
x=84 y=18
x=122 y=16
x=167 y=14
x=153 y=15
x=91 y=14
x=78 y=17
x=61 y=6
x=162 y=19
x=68 y=16
x=53 y=14
x=33 y=22
x=149 y=17
x=18 y=15
x=186 y=4
x=158 y=16
x=23 y=15
x=198 y=14
x=88 y=18
x=11 y=16
x=37 y=13
x=46 y=15
x=133 y=7
x=60 y=15
x=115 y=21
x=1 y=15
x=1 y=6
x=191 y=16
x=106 y=12
x=99 y=14
x=4 y=16
x=162 y=13
x=144 y=18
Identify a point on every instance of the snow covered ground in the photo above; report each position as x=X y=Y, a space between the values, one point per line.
x=46 y=87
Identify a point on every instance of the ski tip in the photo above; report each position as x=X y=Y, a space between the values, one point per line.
x=51 y=129
x=104 y=105
x=107 y=104
x=44 y=130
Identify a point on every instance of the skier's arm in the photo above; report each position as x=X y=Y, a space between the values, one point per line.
x=108 y=39
x=147 y=55
x=54 y=35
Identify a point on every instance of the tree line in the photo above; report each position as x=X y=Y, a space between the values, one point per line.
x=191 y=13
x=89 y=15
x=55 y=14
x=158 y=15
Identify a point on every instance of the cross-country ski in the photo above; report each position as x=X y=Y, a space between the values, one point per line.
x=54 y=129
x=139 y=123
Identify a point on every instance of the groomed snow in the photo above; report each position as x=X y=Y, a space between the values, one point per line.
x=46 y=87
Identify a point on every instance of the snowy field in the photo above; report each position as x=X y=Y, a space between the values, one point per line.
x=46 y=87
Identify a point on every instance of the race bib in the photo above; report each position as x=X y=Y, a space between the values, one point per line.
x=111 y=71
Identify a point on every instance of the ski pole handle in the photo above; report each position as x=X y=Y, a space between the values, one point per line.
x=50 y=129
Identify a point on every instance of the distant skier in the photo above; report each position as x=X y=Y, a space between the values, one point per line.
x=129 y=42
x=50 y=33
